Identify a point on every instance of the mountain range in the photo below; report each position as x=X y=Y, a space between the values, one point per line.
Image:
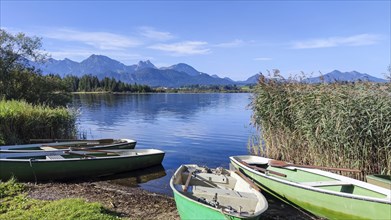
x=144 y=72
x=338 y=76
x=181 y=74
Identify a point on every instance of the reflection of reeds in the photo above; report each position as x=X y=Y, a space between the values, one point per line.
x=20 y=121
x=335 y=125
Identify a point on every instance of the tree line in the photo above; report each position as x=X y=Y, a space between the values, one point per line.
x=90 y=83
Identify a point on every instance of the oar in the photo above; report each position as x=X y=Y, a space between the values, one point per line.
x=92 y=150
x=79 y=154
x=263 y=170
x=247 y=180
x=188 y=182
x=279 y=163
x=61 y=147
x=101 y=141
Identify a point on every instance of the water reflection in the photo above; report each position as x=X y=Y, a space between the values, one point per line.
x=145 y=107
x=202 y=129
x=135 y=178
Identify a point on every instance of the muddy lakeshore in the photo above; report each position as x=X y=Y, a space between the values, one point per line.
x=137 y=203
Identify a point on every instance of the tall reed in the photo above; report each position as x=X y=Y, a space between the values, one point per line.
x=335 y=125
x=21 y=121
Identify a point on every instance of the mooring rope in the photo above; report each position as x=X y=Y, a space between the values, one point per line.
x=31 y=165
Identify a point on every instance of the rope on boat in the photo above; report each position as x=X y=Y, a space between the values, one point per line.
x=31 y=165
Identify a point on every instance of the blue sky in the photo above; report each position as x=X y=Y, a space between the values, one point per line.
x=236 y=39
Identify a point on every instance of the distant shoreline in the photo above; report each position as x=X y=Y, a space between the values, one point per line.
x=168 y=92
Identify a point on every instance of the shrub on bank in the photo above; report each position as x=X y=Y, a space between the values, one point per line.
x=21 y=121
x=336 y=125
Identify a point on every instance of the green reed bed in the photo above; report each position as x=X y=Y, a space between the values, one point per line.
x=21 y=121
x=334 y=125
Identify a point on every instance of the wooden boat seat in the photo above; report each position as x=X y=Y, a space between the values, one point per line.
x=235 y=199
x=326 y=183
x=48 y=148
x=54 y=157
x=213 y=177
x=51 y=157
x=221 y=192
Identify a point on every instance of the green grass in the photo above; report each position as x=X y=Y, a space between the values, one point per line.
x=335 y=125
x=21 y=121
x=14 y=204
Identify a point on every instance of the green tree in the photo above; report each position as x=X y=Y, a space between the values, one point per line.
x=18 y=80
x=15 y=49
x=72 y=83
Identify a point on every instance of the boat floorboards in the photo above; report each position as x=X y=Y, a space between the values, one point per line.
x=54 y=157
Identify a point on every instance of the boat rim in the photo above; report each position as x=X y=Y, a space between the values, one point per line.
x=150 y=152
x=378 y=189
x=9 y=147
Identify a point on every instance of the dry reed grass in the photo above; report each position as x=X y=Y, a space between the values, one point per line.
x=336 y=125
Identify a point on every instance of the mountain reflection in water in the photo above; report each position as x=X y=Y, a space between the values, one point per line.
x=202 y=129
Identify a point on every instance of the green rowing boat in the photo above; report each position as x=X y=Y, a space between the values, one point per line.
x=70 y=164
x=63 y=144
x=202 y=193
x=322 y=193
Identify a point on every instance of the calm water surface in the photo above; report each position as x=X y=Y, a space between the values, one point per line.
x=203 y=129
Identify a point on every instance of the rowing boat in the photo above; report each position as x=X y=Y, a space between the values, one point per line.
x=63 y=144
x=202 y=193
x=322 y=193
x=70 y=164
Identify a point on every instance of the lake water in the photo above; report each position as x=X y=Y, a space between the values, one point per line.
x=203 y=129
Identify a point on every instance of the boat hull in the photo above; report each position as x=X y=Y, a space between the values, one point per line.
x=321 y=204
x=64 y=169
x=189 y=209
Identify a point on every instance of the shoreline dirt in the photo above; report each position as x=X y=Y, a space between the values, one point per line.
x=137 y=203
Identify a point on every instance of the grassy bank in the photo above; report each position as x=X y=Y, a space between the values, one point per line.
x=335 y=125
x=20 y=121
x=14 y=204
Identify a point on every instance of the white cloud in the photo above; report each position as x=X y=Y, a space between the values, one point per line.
x=152 y=33
x=234 y=43
x=70 y=54
x=100 y=40
x=262 y=59
x=183 y=48
x=355 y=40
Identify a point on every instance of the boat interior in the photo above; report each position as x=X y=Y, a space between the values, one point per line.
x=219 y=188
